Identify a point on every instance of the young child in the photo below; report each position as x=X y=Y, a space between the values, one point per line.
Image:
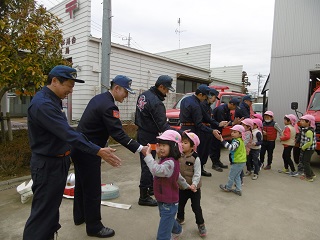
x=247 y=139
x=258 y=115
x=165 y=185
x=190 y=169
x=255 y=147
x=307 y=145
x=237 y=157
x=270 y=129
x=288 y=141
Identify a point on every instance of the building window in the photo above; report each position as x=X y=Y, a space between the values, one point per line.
x=186 y=86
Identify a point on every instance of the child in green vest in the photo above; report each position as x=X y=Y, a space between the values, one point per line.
x=238 y=159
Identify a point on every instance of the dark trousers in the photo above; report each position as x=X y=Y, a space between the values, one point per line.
x=87 y=193
x=296 y=154
x=286 y=156
x=253 y=160
x=203 y=148
x=267 y=146
x=305 y=159
x=146 y=178
x=195 y=197
x=215 y=150
x=49 y=176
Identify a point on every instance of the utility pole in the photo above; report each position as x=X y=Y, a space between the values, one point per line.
x=129 y=38
x=259 y=76
x=106 y=45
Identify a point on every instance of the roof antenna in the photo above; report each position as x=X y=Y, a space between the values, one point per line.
x=179 y=31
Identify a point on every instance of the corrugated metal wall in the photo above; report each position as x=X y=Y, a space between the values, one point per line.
x=295 y=52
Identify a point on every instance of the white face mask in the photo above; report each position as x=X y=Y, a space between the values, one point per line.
x=268 y=120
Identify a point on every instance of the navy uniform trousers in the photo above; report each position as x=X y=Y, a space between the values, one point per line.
x=49 y=176
x=206 y=140
x=146 y=178
x=86 y=206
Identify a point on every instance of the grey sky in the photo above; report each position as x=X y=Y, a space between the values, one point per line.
x=240 y=32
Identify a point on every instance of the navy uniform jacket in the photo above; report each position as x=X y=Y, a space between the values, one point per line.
x=222 y=113
x=190 y=112
x=101 y=119
x=151 y=113
x=242 y=111
x=49 y=132
x=206 y=114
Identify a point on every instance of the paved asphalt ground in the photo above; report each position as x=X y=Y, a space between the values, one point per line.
x=275 y=206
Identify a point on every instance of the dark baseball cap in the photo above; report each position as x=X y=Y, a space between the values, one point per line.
x=124 y=82
x=204 y=89
x=234 y=101
x=165 y=81
x=247 y=97
x=214 y=92
x=65 y=72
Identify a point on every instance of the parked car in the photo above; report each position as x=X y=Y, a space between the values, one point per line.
x=173 y=114
x=257 y=107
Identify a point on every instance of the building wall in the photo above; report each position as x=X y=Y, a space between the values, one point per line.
x=229 y=73
x=295 y=52
x=144 y=68
x=197 y=56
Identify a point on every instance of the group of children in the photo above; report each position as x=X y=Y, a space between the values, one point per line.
x=177 y=174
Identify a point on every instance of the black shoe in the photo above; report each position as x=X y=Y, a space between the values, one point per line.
x=78 y=222
x=148 y=201
x=205 y=173
x=150 y=192
x=103 y=233
x=220 y=164
x=217 y=168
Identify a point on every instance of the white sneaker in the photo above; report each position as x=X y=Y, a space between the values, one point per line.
x=176 y=236
x=255 y=177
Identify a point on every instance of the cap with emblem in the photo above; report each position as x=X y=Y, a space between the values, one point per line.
x=165 y=81
x=234 y=101
x=214 y=92
x=247 y=97
x=124 y=82
x=204 y=89
x=65 y=72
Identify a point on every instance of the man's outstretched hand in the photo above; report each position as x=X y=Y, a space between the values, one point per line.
x=108 y=155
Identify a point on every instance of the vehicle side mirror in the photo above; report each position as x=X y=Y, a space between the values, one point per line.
x=294 y=105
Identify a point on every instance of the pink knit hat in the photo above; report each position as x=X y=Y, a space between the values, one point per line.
x=258 y=122
x=311 y=119
x=258 y=115
x=171 y=135
x=194 y=138
x=238 y=128
x=248 y=122
x=292 y=118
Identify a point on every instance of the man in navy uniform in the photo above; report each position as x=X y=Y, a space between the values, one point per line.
x=100 y=120
x=243 y=111
x=50 y=138
x=191 y=116
x=151 y=120
x=206 y=137
x=222 y=114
